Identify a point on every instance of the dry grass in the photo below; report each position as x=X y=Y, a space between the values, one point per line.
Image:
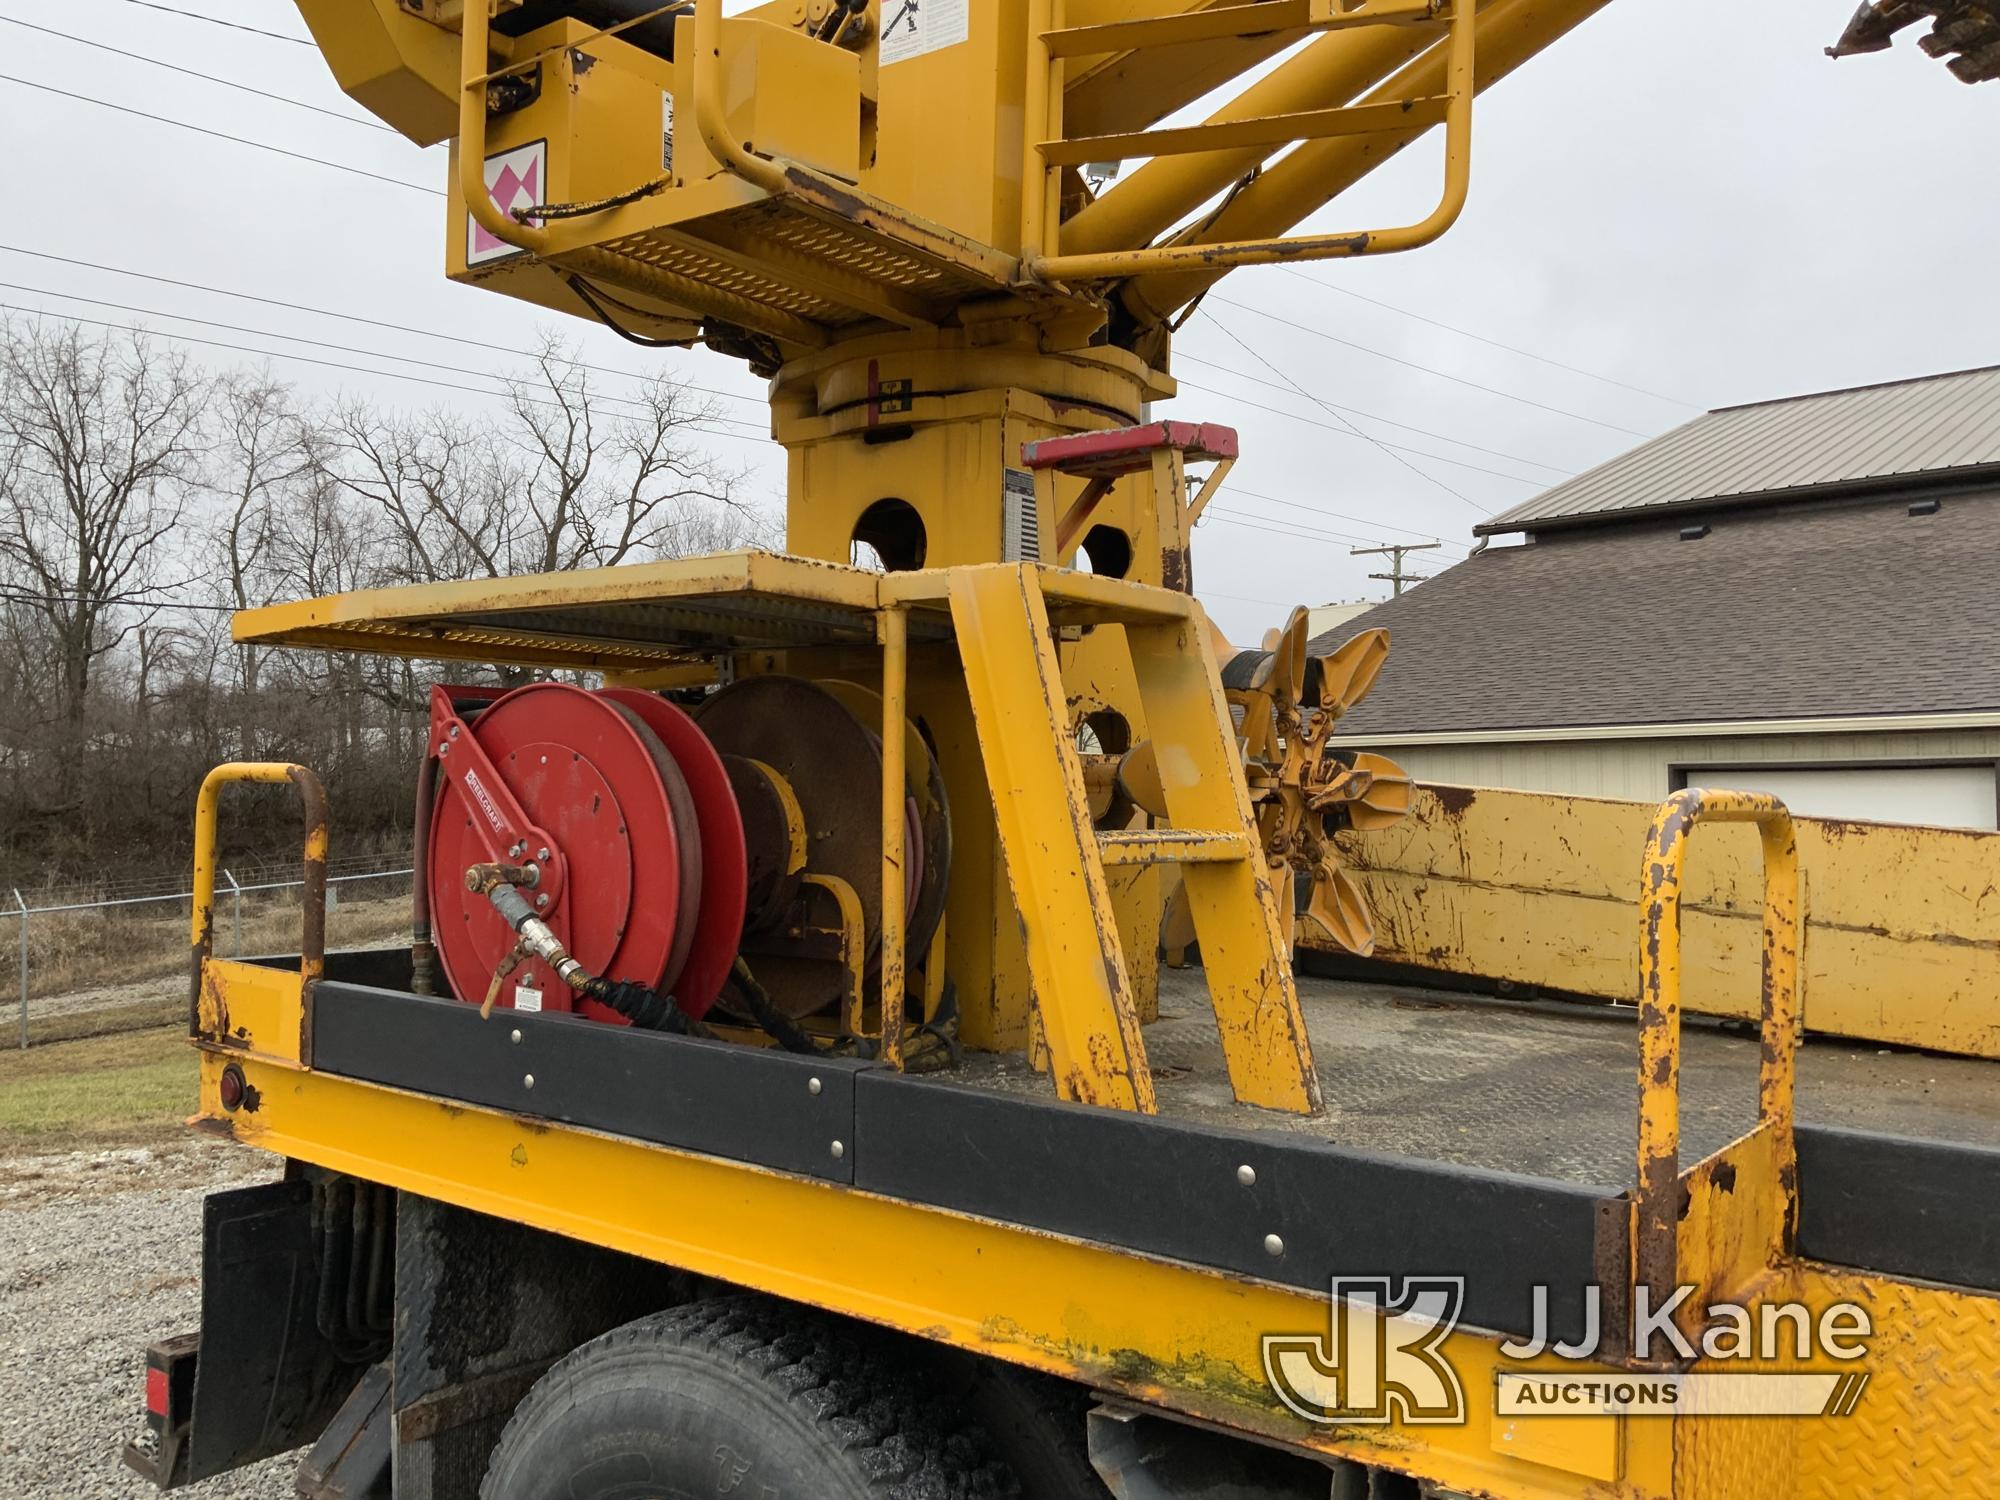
x=103 y=971
x=86 y=950
x=164 y=1004
x=99 y=1091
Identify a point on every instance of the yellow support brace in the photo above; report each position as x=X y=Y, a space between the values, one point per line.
x=1236 y=918
x=1075 y=960
x=1172 y=846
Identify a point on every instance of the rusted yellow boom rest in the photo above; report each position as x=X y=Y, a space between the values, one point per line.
x=1528 y=889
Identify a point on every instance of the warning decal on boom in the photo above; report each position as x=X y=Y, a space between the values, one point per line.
x=910 y=28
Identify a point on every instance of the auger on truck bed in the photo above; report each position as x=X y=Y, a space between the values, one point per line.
x=781 y=1096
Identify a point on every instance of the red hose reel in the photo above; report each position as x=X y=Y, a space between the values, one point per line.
x=622 y=809
x=658 y=846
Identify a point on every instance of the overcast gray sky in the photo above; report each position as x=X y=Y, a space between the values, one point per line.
x=1684 y=197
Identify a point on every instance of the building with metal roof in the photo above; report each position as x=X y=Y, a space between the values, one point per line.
x=1848 y=442
x=1800 y=596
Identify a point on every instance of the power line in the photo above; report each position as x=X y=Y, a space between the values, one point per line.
x=1277 y=523
x=1239 y=598
x=1351 y=431
x=1279 y=527
x=461 y=370
x=1480 y=338
x=1355 y=411
x=266 y=333
x=1394 y=359
x=228 y=83
x=328 y=312
x=483 y=344
x=1230 y=519
x=1236 y=339
x=184 y=338
x=188 y=15
x=1429 y=536
x=222 y=135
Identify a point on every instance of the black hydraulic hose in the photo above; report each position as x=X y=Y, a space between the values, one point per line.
x=757 y=1000
x=334 y=1229
x=358 y=1244
x=378 y=1314
x=647 y=1009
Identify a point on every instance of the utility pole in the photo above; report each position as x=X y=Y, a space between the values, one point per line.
x=1396 y=576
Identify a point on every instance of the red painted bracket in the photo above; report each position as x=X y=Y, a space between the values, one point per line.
x=1127 y=450
x=506 y=832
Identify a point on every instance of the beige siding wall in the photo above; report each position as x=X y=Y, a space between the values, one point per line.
x=1636 y=769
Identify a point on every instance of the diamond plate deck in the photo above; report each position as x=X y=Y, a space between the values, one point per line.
x=1535 y=1088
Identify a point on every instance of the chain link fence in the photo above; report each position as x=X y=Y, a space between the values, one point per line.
x=118 y=961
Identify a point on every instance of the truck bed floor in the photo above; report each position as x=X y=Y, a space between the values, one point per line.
x=1545 y=1089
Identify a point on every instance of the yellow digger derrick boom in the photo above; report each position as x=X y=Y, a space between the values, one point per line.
x=1166 y=1189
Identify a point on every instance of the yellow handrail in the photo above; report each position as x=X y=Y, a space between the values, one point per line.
x=312 y=947
x=1461 y=84
x=474 y=34
x=1655 y=1245
x=708 y=116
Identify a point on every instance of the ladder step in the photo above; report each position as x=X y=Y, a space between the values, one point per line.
x=1168 y=23
x=1172 y=846
x=1266 y=130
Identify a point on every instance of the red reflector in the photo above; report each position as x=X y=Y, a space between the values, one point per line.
x=156 y=1392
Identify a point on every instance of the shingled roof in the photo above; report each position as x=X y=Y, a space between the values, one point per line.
x=1938 y=429
x=1821 y=611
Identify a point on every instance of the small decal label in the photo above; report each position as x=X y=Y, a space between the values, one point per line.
x=666 y=132
x=515 y=179
x=910 y=28
x=527 y=997
x=1020 y=519
x=480 y=795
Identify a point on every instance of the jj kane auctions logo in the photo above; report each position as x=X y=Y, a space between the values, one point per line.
x=1383 y=1358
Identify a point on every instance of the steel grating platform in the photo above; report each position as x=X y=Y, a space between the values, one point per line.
x=666 y=614
x=1543 y=1089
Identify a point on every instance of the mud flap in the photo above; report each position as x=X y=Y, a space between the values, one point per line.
x=260 y=1378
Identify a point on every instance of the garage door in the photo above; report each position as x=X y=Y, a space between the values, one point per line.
x=1943 y=796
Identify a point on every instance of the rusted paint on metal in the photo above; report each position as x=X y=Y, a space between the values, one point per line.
x=312 y=948
x=853 y=946
x=1056 y=880
x=1664 y=1199
x=211 y=1018
x=1534 y=888
x=894 y=624
x=1233 y=906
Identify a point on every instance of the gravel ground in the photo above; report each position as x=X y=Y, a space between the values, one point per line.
x=100 y=1255
x=106 y=997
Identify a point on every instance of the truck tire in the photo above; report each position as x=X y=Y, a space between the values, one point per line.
x=746 y=1396
x=1037 y=1424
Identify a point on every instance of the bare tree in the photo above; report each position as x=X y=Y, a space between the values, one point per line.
x=610 y=479
x=98 y=440
x=141 y=501
x=574 y=477
x=264 y=449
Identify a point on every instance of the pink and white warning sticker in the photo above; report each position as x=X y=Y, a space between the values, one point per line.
x=516 y=179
